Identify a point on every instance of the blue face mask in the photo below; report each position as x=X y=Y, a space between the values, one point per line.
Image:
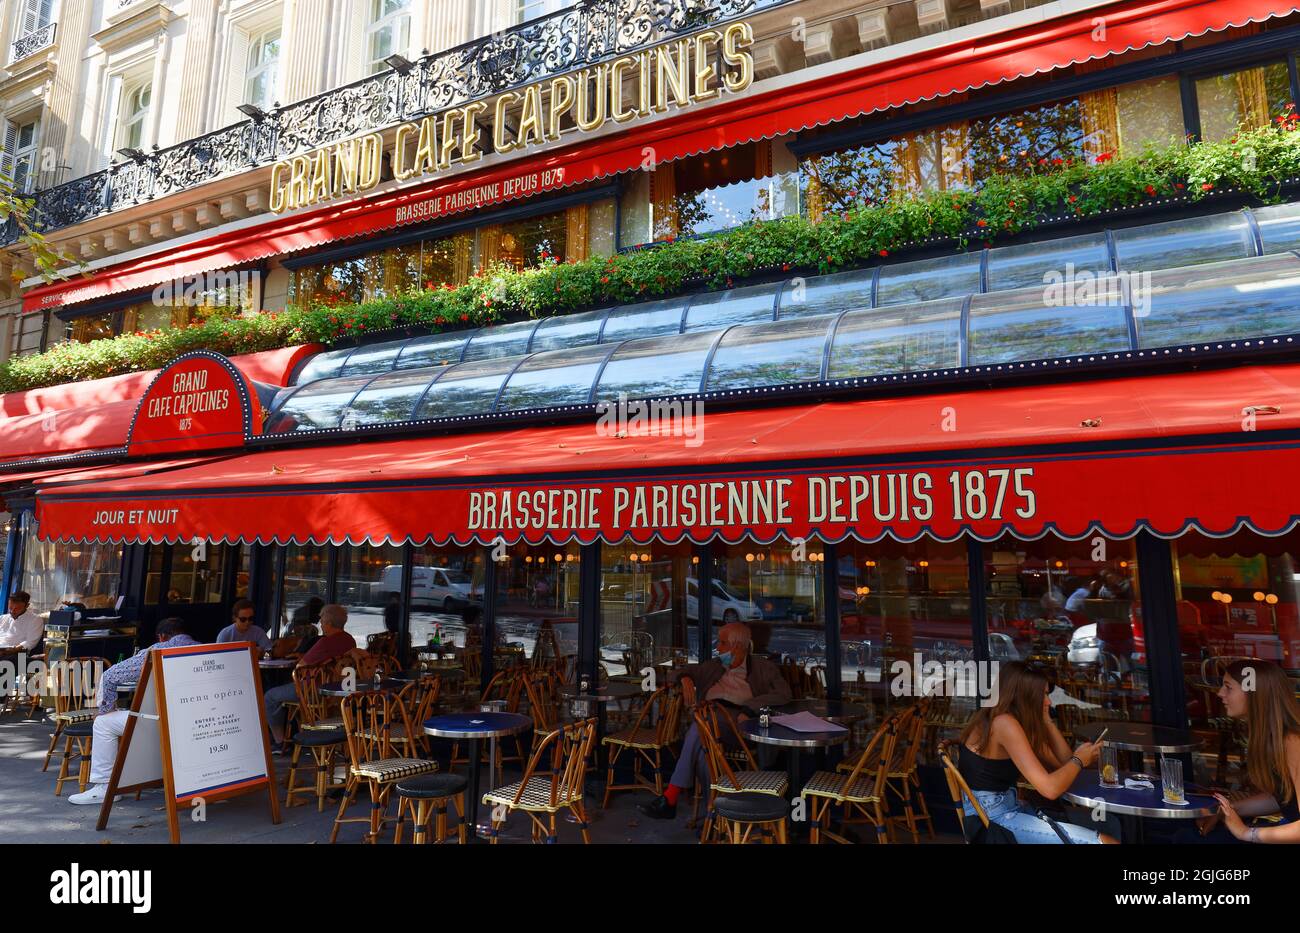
x=726 y=657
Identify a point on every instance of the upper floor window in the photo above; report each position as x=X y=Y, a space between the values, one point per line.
x=34 y=15
x=388 y=32
x=532 y=9
x=135 y=112
x=262 y=74
x=18 y=162
x=1245 y=99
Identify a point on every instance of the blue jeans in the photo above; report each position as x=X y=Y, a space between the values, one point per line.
x=275 y=699
x=1018 y=818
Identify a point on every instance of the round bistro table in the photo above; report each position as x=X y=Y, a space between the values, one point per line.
x=474 y=727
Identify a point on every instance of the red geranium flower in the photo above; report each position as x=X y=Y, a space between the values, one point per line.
x=884 y=252
x=1105 y=157
x=981 y=223
x=1151 y=191
x=1207 y=187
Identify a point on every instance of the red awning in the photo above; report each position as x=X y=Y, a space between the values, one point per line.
x=95 y=416
x=1166 y=453
x=51 y=479
x=952 y=68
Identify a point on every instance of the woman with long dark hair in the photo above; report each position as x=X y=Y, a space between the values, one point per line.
x=1015 y=738
x=1260 y=693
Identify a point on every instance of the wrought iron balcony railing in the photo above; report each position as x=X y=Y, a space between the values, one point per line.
x=32 y=42
x=591 y=31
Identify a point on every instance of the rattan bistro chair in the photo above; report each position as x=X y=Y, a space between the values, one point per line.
x=321 y=737
x=960 y=791
x=367 y=720
x=72 y=683
x=714 y=722
x=553 y=781
x=903 y=781
x=646 y=740
x=861 y=792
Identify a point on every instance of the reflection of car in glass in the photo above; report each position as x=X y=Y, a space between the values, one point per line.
x=430 y=586
x=725 y=603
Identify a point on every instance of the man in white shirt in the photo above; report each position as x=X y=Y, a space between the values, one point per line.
x=20 y=628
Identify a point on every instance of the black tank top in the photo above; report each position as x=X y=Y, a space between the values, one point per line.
x=987 y=774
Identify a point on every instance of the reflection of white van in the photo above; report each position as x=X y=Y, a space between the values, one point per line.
x=727 y=604
x=430 y=586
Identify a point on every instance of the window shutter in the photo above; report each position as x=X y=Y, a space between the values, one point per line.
x=357 y=55
x=11 y=146
x=236 y=71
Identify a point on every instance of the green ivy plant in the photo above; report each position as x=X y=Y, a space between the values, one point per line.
x=1257 y=163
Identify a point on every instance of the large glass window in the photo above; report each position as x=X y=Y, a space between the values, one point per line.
x=775 y=589
x=135 y=114
x=649 y=606
x=447 y=594
x=1236 y=597
x=56 y=573
x=900 y=604
x=196 y=573
x=387 y=33
x=1074 y=606
x=525 y=243
x=537 y=602
x=1244 y=99
x=261 y=78
x=19 y=162
x=368 y=581
x=304 y=589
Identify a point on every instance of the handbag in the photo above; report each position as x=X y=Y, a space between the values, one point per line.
x=977 y=833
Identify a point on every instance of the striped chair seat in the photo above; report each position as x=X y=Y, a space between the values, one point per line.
x=756 y=782
x=836 y=786
x=536 y=796
x=334 y=722
x=634 y=738
x=392 y=769
x=76 y=715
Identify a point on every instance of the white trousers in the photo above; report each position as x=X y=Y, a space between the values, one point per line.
x=103 y=750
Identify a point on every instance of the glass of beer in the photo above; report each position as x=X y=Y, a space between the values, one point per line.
x=1108 y=765
x=1171 y=777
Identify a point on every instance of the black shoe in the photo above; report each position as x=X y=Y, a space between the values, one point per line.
x=660 y=809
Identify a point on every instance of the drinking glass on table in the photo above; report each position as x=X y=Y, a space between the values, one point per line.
x=1108 y=766
x=1171 y=777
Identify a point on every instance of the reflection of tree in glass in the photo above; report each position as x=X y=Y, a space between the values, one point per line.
x=854 y=176
x=1053 y=131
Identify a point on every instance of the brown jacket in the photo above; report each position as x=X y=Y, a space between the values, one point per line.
x=765 y=680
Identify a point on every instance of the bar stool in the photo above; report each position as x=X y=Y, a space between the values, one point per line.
x=324 y=746
x=740 y=814
x=426 y=795
x=77 y=737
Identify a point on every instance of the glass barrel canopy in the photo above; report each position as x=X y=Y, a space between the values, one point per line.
x=1027 y=264
x=1029 y=324
x=650 y=319
x=568 y=330
x=770 y=354
x=927 y=279
x=323 y=365
x=556 y=377
x=827 y=294
x=1250 y=298
x=716 y=310
x=1279 y=227
x=372 y=358
x=390 y=397
x=434 y=350
x=1184 y=242
x=499 y=341
x=469 y=388
x=316 y=406
x=907 y=338
x=656 y=366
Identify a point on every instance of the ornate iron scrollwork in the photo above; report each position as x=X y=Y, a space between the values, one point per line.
x=33 y=42
x=591 y=31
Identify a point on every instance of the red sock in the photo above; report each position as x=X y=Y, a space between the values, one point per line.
x=671 y=793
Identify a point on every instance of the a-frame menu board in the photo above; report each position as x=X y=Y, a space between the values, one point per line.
x=198 y=728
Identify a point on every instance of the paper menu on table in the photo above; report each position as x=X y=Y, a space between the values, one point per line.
x=806 y=722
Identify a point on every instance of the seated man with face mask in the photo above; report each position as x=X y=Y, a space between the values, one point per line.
x=732 y=677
